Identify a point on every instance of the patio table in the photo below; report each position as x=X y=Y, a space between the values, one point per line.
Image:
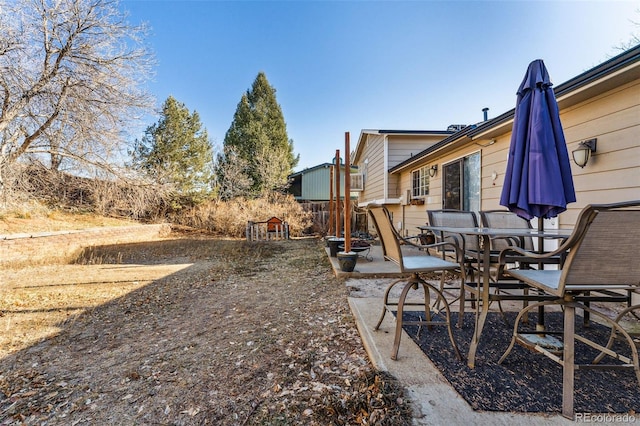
x=486 y=234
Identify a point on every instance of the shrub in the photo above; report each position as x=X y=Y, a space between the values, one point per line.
x=230 y=217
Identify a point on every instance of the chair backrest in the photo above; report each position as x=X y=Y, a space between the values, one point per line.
x=603 y=249
x=506 y=219
x=384 y=226
x=458 y=219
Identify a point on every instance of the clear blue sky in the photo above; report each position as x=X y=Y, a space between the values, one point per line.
x=341 y=66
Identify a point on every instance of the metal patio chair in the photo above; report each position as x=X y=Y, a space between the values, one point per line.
x=473 y=255
x=506 y=219
x=601 y=265
x=510 y=220
x=414 y=264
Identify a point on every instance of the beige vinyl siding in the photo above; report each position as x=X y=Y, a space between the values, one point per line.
x=412 y=215
x=375 y=171
x=613 y=172
x=403 y=147
x=394 y=190
x=494 y=159
x=417 y=215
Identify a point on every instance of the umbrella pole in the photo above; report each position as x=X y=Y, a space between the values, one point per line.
x=540 y=324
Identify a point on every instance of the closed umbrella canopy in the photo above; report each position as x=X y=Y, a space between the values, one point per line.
x=538 y=181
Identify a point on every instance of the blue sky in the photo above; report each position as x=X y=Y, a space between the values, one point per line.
x=344 y=66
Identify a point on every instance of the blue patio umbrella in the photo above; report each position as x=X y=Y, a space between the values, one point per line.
x=538 y=181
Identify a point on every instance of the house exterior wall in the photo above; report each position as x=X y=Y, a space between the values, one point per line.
x=401 y=147
x=315 y=183
x=381 y=152
x=372 y=165
x=612 y=174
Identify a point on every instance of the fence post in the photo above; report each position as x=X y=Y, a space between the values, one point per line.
x=249 y=230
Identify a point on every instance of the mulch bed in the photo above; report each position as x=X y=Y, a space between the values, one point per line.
x=526 y=381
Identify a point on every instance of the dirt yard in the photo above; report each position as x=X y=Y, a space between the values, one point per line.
x=191 y=330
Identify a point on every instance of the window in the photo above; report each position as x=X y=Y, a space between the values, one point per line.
x=357 y=182
x=420 y=182
x=462 y=184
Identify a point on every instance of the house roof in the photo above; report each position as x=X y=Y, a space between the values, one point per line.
x=598 y=79
x=460 y=136
x=360 y=144
x=310 y=169
x=319 y=166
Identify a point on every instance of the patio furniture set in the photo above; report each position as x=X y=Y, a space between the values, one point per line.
x=503 y=259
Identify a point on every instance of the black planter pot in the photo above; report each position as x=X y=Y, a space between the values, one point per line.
x=328 y=238
x=333 y=244
x=347 y=261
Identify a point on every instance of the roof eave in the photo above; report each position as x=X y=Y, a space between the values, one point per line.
x=566 y=93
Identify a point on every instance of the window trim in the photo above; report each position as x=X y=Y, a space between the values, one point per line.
x=421 y=176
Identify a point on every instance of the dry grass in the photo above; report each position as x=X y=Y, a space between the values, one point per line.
x=41 y=219
x=230 y=217
x=189 y=330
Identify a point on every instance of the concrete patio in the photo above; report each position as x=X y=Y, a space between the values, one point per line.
x=435 y=401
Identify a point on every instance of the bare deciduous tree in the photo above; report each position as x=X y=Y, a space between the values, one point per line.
x=232 y=177
x=71 y=78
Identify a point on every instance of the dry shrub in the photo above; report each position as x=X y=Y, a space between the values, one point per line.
x=230 y=217
x=25 y=185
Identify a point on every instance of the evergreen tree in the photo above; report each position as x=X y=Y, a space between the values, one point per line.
x=176 y=151
x=258 y=136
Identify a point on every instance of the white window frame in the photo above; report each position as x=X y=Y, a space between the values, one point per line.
x=421 y=177
x=357 y=182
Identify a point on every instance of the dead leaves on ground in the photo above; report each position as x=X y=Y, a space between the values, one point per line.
x=250 y=334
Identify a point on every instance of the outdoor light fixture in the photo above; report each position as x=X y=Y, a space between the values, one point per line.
x=583 y=153
x=433 y=170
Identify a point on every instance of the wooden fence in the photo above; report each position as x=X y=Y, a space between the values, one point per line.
x=267 y=231
x=320 y=216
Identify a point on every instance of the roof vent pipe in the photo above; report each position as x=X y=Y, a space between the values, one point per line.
x=485 y=110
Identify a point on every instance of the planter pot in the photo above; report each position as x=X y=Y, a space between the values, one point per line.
x=333 y=244
x=327 y=238
x=347 y=260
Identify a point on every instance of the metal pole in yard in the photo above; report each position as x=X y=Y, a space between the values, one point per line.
x=347 y=194
x=331 y=223
x=338 y=227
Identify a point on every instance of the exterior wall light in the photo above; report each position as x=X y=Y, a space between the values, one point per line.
x=583 y=153
x=433 y=170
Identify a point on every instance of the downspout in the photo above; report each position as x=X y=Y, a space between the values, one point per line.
x=404 y=221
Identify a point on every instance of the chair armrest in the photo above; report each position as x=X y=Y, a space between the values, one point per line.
x=408 y=240
x=502 y=259
x=512 y=241
x=425 y=247
x=457 y=240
